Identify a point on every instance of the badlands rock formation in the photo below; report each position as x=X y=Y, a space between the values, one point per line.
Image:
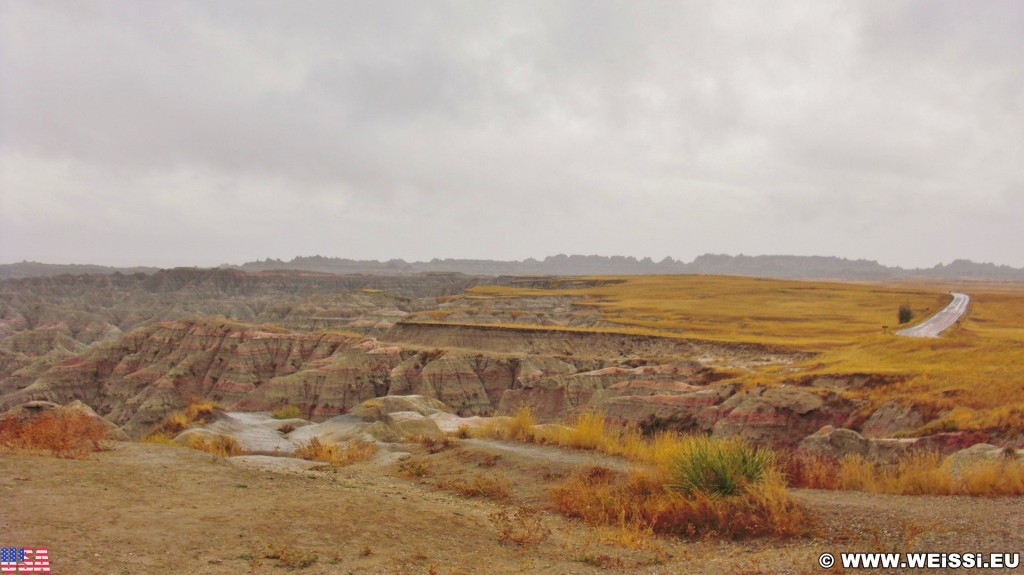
x=138 y=379
x=136 y=347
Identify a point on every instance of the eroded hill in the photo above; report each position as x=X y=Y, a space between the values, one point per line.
x=768 y=360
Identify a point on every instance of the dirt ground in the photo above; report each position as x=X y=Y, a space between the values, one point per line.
x=148 y=509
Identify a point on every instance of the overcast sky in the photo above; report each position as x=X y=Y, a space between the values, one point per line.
x=200 y=133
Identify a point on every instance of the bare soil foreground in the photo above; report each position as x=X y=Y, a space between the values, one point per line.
x=151 y=509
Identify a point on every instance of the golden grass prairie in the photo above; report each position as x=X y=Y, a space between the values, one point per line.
x=968 y=379
x=801 y=314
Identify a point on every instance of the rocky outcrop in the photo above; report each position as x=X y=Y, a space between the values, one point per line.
x=892 y=418
x=837 y=443
x=153 y=370
x=386 y=419
x=138 y=379
x=778 y=416
x=673 y=406
x=982 y=453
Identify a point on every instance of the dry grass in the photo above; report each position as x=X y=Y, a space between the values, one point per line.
x=966 y=380
x=523 y=527
x=591 y=431
x=677 y=489
x=414 y=468
x=287 y=412
x=159 y=439
x=490 y=486
x=291 y=556
x=923 y=473
x=435 y=445
x=358 y=450
x=353 y=452
x=642 y=503
x=66 y=433
x=316 y=450
x=198 y=410
x=219 y=445
x=803 y=314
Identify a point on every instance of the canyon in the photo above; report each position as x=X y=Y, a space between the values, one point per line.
x=135 y=348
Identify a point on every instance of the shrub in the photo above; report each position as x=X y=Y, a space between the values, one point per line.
x=905 y=314
x=67 y=433
x=220 y=445
x=641 y=502
x=316 y=450
x=720 y=467
x=287 y=412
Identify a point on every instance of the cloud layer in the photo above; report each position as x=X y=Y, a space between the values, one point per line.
x=201 y=133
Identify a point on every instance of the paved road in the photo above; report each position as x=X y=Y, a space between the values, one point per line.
x=934 y=325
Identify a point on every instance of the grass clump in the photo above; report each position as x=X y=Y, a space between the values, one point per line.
x=643 y=501
x=159 y=439
x=720 y=467
x=291 y=556
x=355 y=451
x=518 y=428
x=219 y=445
x=480 y=485
x=358 y=450
x=316 y=450
x=66 y=433
x=287 y=412
x=198 y=410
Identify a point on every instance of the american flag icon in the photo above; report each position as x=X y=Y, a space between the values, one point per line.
x=24 y=560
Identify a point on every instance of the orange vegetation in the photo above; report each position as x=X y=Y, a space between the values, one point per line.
x=64 y=432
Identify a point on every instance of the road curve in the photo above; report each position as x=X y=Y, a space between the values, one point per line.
x=946 y=317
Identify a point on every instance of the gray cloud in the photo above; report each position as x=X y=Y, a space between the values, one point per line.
x=200 y=132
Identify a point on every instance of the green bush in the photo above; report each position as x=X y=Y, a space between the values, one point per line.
x=720 y=468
